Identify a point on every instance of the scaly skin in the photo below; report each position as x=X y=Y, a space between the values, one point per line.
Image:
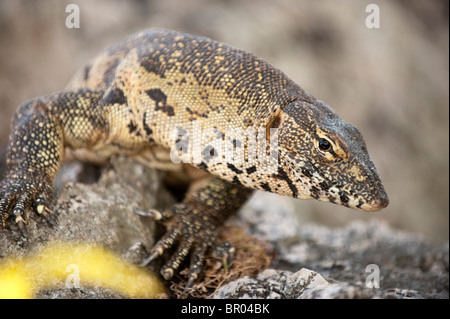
x=153 y=93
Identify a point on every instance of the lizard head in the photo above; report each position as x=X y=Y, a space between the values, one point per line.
x=322 y=157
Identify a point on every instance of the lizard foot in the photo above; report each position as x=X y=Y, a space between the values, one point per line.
x=192 y=228
x=19 y=193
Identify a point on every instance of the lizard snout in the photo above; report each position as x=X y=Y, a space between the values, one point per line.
x=380 y=202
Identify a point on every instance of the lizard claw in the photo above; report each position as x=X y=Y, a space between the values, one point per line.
x=149 y=259
x=47 y=214
x=155 y=214
x=167 y=273
x=22 y=226
x=191 y=281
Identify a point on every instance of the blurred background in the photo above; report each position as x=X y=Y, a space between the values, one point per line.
x=391 y=82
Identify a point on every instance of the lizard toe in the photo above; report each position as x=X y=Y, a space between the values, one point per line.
x=166 y=242
x=197 y=261
x=13 y=205
x=21 y=207
x=177 y=258
x=6 y=203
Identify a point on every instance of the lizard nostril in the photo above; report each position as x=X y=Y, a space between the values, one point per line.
x=382 y=201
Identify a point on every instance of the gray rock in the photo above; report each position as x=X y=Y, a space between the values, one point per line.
x=269 y=217
x=278 y=284
x=352 y=259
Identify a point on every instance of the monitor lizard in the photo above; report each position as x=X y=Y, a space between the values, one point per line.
x=153 y=96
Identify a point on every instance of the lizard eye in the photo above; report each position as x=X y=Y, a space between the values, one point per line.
x=324 y=145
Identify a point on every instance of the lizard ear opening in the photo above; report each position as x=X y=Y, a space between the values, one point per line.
x=274 y=122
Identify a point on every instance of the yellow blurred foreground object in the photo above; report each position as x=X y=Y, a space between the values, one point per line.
x=71 y=265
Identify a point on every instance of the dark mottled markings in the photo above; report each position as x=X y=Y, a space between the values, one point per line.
x=203 y=165
x=115 y=96
x=314 y=192
x=157 y=95
x=360 y=202
x=234 y=168
x=152 y=66
x=332 y=199
x=266 y=187
x=283 y=176
x=132 y=127
x=254 y=76
x=306 y=172
x=196 y=113
x=344 y=198
x=161 y=101
x=147 y=129
x=324 y=185
x=251 y=169
x=236 y=180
